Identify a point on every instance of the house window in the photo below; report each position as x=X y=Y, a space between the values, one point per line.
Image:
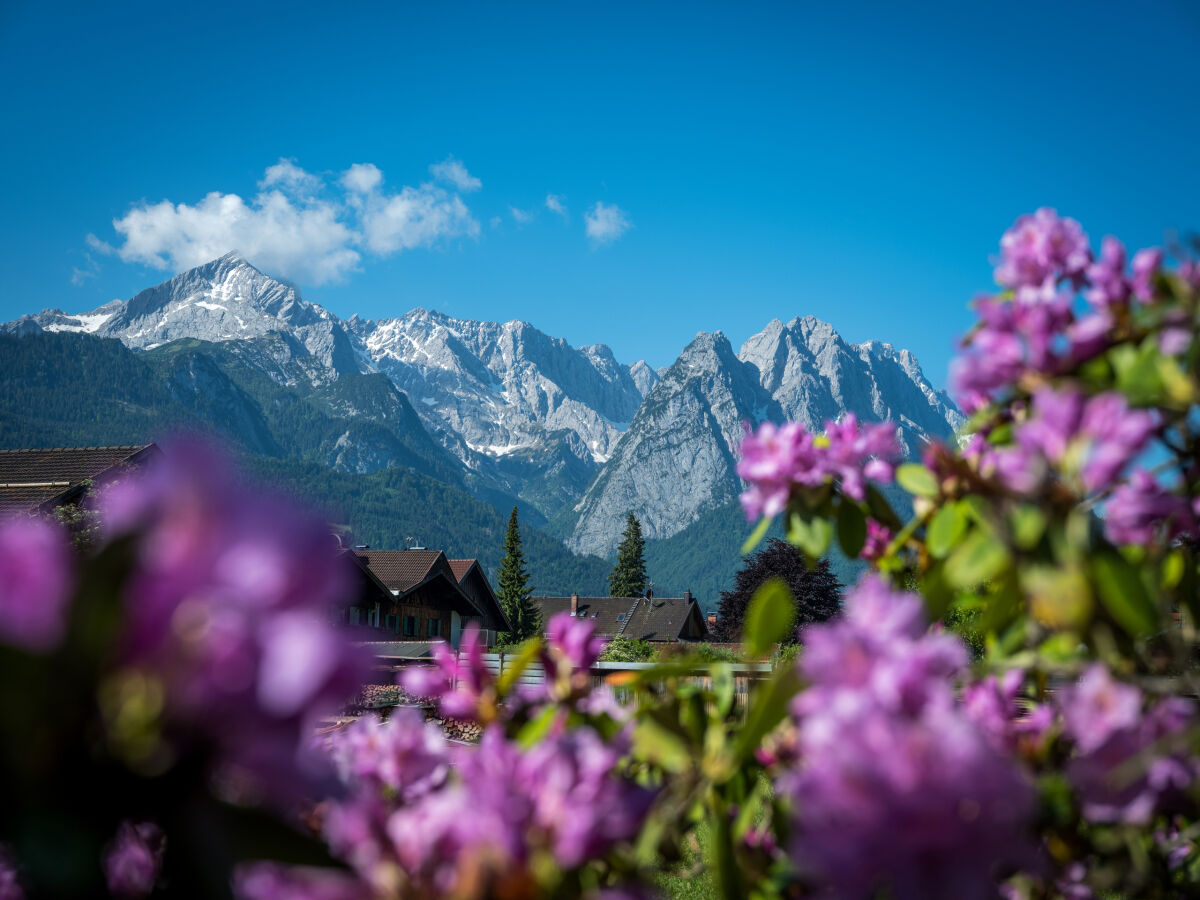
x=435 y=627
x=410 y=626
x=392 y=624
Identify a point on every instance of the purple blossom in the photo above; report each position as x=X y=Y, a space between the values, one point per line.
x=405 y=756
x=227 y=607
x=1038 y=250
x=461 y=682
x=1147 y=264
x=856 y=453
x=775 y=460
x=1141 y=509
x=1088 y=337
x=500 y=806
x=1126 y=770
x=272 y=881
x=878 y=539
x=1093 y=438
x=133 y=860
x=10 y=881
x=1109 y=288
x=1098 y=707
x=1012 y=338
x=992 y=704
x=895 y=787
x=571 y=645
x=36 y=578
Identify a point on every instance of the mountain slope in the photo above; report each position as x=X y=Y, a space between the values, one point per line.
x=678 y=459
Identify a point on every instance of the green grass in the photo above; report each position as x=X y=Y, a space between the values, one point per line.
x=680 y=883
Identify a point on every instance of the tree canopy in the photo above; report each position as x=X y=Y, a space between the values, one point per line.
x=628 y=578
x=817 y=592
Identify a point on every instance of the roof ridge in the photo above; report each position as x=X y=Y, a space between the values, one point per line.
x=97 y=447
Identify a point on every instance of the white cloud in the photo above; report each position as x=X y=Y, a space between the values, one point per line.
x=604 y=223
x=289 y=175
x=298 y=226
x=91 y=270
x=554 y=203
x=521 y=216
x=416 y=217
x=451 y=171
x=496 y=221
x=362 y=178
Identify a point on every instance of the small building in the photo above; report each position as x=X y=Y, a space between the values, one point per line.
x=647 y=618
x=431 y=597
x=41 y=480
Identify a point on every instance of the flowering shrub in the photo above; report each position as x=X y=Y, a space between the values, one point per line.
x=162 y=683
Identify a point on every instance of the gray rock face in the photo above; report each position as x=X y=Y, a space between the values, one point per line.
x=502 y=388
x=816 y=376
x=678 y=459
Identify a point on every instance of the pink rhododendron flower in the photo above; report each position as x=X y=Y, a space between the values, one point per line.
x=36 y=578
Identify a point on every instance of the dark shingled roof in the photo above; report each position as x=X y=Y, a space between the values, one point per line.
x=31 y=478
x=637 y=618
x=400 y=570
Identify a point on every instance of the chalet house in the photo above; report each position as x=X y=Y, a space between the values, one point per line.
x=646 y=618
x=41 y=480
x=430 y=597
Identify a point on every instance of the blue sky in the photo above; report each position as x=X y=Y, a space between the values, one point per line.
x=771 y=160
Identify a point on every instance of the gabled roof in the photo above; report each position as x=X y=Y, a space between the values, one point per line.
x=637 y=618
x=401 y=570
x=33 y=478
x=460 y=567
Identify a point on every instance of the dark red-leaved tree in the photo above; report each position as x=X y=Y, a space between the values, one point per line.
x=817 y=592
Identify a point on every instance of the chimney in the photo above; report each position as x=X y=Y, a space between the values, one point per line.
x=574 y=604
x=687 y=595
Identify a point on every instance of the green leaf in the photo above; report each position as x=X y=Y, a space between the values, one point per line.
x=948 y=527
x=537 y=727
x=756 y=536
x=852 y=528
x=917 y=480
x=525 y=655
x=978 y=559
x=723 y=687
x=653 y=742
x=768 y=707
x=1123 y=594
x=770 y=616
x=1028 y=525
x=810 y=535
x=881 y=510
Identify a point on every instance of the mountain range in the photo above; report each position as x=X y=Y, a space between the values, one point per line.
x=497 y=412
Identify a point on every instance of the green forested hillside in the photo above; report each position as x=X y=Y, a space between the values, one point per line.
x=60 y=390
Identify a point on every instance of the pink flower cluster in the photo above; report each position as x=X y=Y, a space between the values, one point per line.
x=1124 y=769
x=1044 y=260
x=36 y=579
x=1141 y=510
x=227 y=606
x=777 y=459
x=1094 y=437
x=897 y=786
x=428 y=818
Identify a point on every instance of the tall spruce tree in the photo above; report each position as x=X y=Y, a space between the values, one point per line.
x=514 y=594
x=628 y=578
x=817 y=592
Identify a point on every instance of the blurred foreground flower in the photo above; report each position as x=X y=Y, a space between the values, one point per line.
x=897 y=788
